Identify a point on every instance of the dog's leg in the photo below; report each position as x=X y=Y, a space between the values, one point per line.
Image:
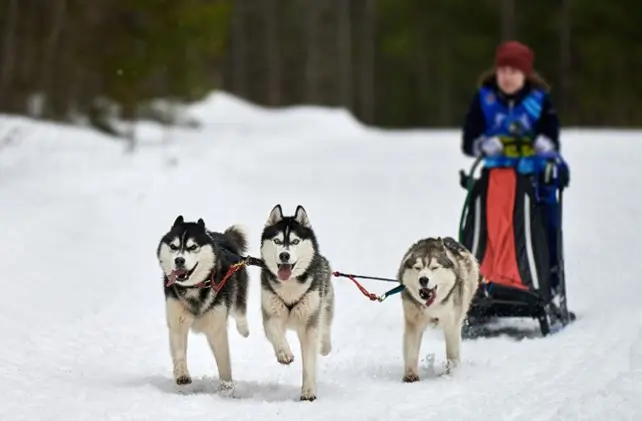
x=309 y=339
x=328 y=316
x=412 y=336
x=179 y=322
x=452 y=337
x=274 y=320
x=242 y=326
x=217 y=337
x=239 y=309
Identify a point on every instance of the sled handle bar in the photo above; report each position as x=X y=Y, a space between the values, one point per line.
x=466 y=180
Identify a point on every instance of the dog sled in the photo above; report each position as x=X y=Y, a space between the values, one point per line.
x=504 y=224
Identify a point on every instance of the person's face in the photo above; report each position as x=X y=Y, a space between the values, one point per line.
x=510 y=79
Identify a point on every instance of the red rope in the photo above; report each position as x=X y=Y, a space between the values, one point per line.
x=217 y=287
x=227 y=276
x=364 y=291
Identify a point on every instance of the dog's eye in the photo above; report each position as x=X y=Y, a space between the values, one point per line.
x=417 y=268
x=173 y=247
x=434 y=268
x=192 y=248
x=296 y=241
x=277 y=241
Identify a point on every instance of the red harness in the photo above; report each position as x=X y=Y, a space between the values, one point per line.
x=216 y=287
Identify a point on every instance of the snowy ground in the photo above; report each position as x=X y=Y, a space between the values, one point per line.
x=81 y=311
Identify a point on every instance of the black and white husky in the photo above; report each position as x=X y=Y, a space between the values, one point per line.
x=296 y=292
x=194 y=260
x=440 y=277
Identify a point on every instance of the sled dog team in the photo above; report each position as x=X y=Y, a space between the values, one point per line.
x=439 y=274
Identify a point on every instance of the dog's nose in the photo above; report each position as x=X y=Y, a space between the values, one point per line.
x=423 y=281
x=179 y=261
x=284 y=256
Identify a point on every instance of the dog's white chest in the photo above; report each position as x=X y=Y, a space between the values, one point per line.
x=291 y=292
x=437 y=315
x=293 y=302
x=303 y=310
x=193 y=295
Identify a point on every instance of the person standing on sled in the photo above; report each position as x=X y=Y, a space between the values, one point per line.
x=512 y=122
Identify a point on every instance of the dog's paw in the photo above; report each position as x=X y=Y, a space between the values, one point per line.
x=410 y=378
x=226 y=388
x=326 y=347
x=243 y=329
x=241 y=326
x=284 y=357
x=308 y=394
x=451 y=366
x=181 y=373
x=183 y=380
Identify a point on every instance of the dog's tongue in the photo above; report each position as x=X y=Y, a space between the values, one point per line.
x=428 y=294
x=174 y=276
x=285 y=271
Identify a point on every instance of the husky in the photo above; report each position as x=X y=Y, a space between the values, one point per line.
x=296 y=292
x=440 y=277
x=194 y=261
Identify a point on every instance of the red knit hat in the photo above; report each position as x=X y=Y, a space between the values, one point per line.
x=515 y=54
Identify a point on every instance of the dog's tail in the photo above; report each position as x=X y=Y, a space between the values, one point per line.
x=237 y=237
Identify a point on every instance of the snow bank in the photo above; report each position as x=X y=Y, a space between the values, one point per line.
x=223 y=109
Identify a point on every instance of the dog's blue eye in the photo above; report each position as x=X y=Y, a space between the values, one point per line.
x=295 y=242
x=173 y=247
x=192 y=248
x=277 y=241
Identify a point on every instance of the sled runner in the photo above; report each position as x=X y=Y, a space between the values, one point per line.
x=515 y=232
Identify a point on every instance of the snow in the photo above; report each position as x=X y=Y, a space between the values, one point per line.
x=82 y=322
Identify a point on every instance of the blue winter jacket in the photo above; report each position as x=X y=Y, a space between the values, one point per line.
x=516 y=119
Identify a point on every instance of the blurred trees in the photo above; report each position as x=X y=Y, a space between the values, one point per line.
x=62 y=59
x=392 y=63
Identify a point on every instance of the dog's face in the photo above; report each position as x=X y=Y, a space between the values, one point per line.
x=428 y=272
x=288 y=244
x=185 y=253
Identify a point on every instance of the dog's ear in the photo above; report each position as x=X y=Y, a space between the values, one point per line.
x=454 y=246
x=276 y=215
x=179 y=220
x=450 y=245
x=444 y=261
x=408 y=263
x=409 y=260
x=201 y=223
x=301 y=216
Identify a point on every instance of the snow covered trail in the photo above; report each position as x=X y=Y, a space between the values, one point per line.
x=82 y=314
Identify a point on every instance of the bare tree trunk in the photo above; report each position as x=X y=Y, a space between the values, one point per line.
x=47 y=66
x=566 y=52
x=508 y=19
x=445 y=81
x=239 y=71
x=9 y=47
x=12 y=97
x=312 y=47
x=367 y=67
x=273 y=51
x=425 y=72
x=344 y=37
x=29 y=49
